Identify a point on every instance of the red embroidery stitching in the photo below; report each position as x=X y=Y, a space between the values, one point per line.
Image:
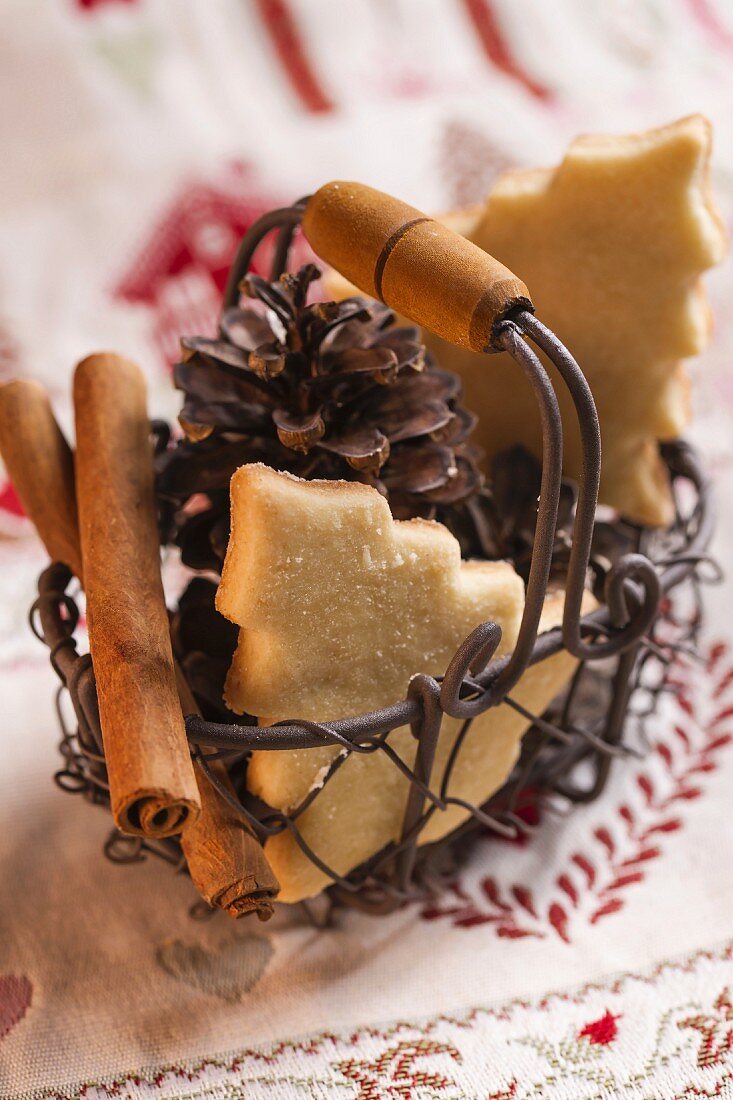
x=9 y=500
x=288 y=42
x=615 y=870
x=602 y=1031
x=505 y=1094
x=393 y=1073
x=497 y=49
x=716 y=1030
x=180 y=272
x=89 y=5
x=468 y=1020
x=708 y=18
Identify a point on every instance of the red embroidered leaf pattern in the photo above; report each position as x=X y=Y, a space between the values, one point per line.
x=524 y=898
x=611 y=906
x=586 y=866
x=559 y=920
x=394 y=1074
x=619 y=852
x=716 y=1031
x=606 y=840
x=566 y=885
x=670 y=826
x=491 y=890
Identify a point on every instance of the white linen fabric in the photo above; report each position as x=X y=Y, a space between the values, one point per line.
x=140 y=138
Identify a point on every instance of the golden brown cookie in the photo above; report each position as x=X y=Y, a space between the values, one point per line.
x=611 y=244
x=371 y=791
x=339 y=605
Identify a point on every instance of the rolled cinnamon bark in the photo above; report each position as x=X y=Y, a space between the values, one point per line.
x=226 y=862
x=152 y=784
x=225 y=859
x=41 y=467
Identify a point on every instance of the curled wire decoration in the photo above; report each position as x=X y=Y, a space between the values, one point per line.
x=625 y=649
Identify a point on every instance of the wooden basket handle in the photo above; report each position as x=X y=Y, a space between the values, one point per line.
x=416 y=265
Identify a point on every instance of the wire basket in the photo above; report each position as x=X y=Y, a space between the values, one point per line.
x=650 y=610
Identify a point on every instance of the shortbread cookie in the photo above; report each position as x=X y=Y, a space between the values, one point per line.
x=367 y=796
x=339 y=605
x=491 y=746
x=611 y=244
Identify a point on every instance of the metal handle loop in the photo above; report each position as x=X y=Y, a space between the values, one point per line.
x=632 y=627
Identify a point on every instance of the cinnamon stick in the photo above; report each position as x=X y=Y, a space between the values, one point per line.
x=226 y=862
x=152 y=785
x=41 y=467
x=225 y=859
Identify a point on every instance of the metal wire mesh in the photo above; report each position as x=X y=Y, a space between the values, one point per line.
x=567 y=752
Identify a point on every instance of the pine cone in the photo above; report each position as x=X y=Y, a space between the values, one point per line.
x=332 y=390
x=507 y=512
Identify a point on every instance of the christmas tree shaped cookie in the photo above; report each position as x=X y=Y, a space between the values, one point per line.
x=611 y=244
x=338 y=606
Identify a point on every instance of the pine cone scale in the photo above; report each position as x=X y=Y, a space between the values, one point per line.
x=244 y=328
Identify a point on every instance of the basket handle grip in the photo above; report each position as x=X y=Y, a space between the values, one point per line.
x=416 y=265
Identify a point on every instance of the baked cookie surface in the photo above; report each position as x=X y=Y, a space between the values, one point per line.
x=611 y=244
x=338 y=606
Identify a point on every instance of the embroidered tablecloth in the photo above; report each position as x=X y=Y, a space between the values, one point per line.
x=140 y=138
